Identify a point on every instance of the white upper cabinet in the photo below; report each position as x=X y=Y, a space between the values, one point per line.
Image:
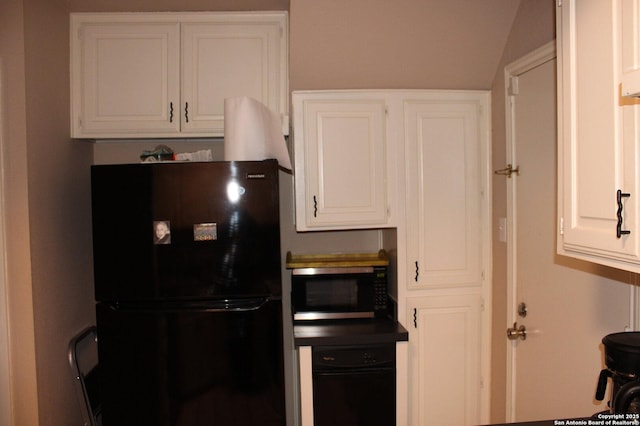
x=446 y=143
x=341 y=162
x=143 y=75
x=598 y=206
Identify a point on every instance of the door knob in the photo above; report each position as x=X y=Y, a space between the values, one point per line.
x=515 y=332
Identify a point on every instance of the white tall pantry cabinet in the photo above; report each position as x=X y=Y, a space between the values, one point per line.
x=446 y=233
x=598 y=66
x=424 y=155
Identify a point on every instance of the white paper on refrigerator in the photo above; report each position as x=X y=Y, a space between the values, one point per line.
x=253 y=132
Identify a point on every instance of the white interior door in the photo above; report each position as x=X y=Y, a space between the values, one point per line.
x=570 y=305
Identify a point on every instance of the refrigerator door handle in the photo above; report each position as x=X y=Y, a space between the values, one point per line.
x=226 y=305
x=243 y=305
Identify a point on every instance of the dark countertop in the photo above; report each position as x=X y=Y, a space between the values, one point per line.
x=567 y=421
x=349 y=332
x=533 y=423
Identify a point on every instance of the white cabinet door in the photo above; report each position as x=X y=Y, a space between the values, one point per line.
x=340 y=161
x=598 y=197
x=444 y=360
x=125 y=79
x=444 y=191
x=630 y=13
x=226 y=58
x=143 y=75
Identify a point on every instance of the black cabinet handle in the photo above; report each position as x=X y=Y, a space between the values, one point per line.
x=417 y=272
x=619 y=231
x=170 y=112
x=315 y=206
x=186 y=112
x=415 y=318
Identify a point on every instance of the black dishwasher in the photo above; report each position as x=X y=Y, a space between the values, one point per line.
x=354 y=385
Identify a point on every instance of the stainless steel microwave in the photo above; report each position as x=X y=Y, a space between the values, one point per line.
x=338 y=286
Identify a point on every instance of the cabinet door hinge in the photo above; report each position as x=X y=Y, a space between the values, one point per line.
x=559 y=3
x=562 y=226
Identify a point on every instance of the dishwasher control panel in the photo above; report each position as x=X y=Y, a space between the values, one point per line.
x=366 y=356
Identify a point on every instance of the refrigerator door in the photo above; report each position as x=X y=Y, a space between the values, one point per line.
x=195 y=366
x=168 y=231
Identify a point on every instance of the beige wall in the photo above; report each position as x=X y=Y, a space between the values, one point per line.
x=15 y=214
x=59 y=202
x=48 y=198
x=334 y=44
x=381 y=44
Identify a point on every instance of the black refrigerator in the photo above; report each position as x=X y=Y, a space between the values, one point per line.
x=188 y=293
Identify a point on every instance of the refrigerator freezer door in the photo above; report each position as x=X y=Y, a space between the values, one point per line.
x=195 y=368
x=183 y=231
